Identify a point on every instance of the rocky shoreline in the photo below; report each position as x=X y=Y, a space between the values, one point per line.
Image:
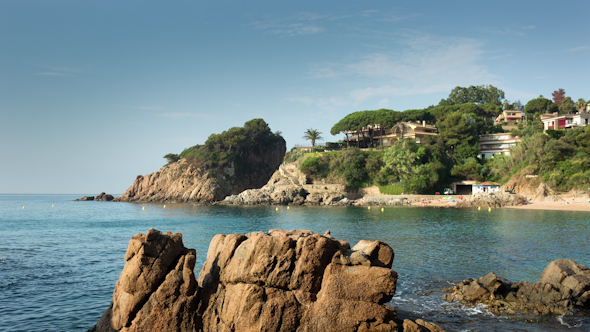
x=564 y=286
x=263 y=281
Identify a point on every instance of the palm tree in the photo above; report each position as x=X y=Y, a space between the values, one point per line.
x=313 y=135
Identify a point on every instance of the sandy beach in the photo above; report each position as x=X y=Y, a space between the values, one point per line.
x=565 y=203
x=577 y=205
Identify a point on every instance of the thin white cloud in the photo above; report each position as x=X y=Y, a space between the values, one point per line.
x=48 y=73
x=184 y=115
x=508 y=30
x=577 y=49
x=59 y=71
x=148 y=108
x=421 y=65
x=302 y=23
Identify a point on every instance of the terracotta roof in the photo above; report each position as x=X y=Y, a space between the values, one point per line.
x=487 y=183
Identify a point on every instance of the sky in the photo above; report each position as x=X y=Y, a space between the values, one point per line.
x=94 y=93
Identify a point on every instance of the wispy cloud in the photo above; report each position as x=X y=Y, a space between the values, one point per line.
x=48 y=73
x=423 y=64
x=579 y=48
x=184 y=115
x=302 y=23
x=61 y=71
x=140 y=107
x=309 y=23
x=148 y=108
x=508 y=30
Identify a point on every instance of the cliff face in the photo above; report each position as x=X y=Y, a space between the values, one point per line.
x=189 y=181
x=265 y=281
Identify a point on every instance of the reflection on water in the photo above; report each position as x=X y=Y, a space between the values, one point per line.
x=59 y=265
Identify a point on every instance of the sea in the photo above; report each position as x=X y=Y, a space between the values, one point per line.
x=60 y=259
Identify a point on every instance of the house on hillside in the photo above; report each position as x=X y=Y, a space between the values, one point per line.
x=376 y=135
x=493 y=144
x=509 y=116
x=413 y=130
x=564 y=121
x=486 y=187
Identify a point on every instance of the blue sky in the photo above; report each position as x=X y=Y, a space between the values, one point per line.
x=93 y=93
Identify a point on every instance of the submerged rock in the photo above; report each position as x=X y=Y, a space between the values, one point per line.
x=263 y=281
x=564 y=286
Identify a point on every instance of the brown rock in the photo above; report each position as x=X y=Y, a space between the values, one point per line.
x=157 y=287
x=275 y=281
x=564 y=284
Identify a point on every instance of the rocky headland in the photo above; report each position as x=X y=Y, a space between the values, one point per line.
x=263 y=281
x=563 y=286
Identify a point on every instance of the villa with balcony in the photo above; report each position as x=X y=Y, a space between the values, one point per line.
x=558 y=121
x=494 y=144
x=509 y=116
x=375 y=135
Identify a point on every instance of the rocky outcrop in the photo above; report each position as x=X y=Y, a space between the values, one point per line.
x=102 y=197
x=264 y=281
x=493 y=200
x=564 y=286
x=283 y=188
x=189 y=181
x=157 y=290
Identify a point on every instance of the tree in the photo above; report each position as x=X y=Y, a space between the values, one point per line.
x=172 y=157
x=541 y=105
x=558 y=96
x=581 y=105
x=480 y=94
x=567 y=106
x=458 y=128
x=312 y=135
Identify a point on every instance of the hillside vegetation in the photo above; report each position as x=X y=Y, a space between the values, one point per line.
x=560 y=158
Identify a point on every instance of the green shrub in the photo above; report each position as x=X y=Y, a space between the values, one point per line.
x=391 y=189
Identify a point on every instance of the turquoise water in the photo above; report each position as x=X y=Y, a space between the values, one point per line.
x=59 y=265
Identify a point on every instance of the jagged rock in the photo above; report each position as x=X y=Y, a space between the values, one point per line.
x=262 y=281
x=187 y=180
x=563 y=286
x=157 y=290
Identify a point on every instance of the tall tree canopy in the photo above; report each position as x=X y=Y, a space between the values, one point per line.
x=567 y=106
x=540 y=105
x=358 y=120
x=558 y=96
x=231 y=145
x=480 y=94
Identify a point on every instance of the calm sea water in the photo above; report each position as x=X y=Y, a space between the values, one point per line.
x=59 y=265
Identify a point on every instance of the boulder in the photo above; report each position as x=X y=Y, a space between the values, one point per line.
x=157 y=290
x=564 y=286
x=104 y=197
x=262 y=281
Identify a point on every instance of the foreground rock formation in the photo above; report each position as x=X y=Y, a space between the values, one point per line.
x=264 y=281
x=564 y=286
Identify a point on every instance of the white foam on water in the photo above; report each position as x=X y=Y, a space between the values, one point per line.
x=562 y=322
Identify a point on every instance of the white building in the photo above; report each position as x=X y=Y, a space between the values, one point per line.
x=564 y=121
x=493 y=144
x=486 y=187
